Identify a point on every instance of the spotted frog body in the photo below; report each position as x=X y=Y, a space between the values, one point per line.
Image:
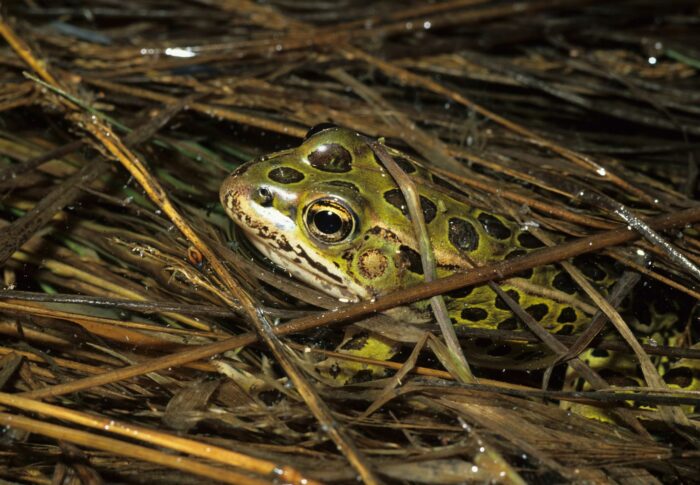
x=330 y=214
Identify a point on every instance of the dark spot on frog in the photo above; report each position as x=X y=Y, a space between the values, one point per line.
x=527 y=274
x=347 y=185
x=405 y=165
x=402 y=162
x=566 y=330
x=243 y=168
x=680 y=376
x=567 y=315
x=616 y=378
x=529 y=241
x=460 y=293
x=283 y=244
x=444 y=183
x=452 y=268
x=537 y=311
x=285 y=175
x=383 y=233
x=319 y=128
x=589 y=268
x=331 y=158
x=600 y=353
x=493 y=226
x=462 y=234
x=334 y=371
x=563 y=282
x=429 y=209
x=515 y=253
x=411 y=259
x=396 y=198
x=501 y=303
x=508 y=324
x=364 y=375
x=317 y=266
x=356 y=342
x=474 y=314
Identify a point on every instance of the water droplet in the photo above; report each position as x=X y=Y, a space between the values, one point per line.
x=180 y=52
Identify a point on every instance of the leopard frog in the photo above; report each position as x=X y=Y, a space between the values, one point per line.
x=330 y=214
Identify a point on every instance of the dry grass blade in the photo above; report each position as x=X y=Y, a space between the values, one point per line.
x=210 y=452
x=437 y=303
x=124 y=449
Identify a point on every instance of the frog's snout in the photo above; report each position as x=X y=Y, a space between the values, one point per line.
x=233 y=190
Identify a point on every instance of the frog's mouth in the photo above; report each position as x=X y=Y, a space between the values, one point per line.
x=302 y=265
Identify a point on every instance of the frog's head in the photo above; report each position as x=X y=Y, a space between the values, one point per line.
x=313 y=210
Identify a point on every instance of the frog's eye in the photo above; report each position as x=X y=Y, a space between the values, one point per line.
x=329 y=221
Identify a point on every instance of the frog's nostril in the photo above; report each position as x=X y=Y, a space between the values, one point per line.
x=263 y=196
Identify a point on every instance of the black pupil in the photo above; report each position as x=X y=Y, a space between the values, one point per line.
x=328 y=222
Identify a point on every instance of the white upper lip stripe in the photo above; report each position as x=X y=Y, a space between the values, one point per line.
x=344 y=289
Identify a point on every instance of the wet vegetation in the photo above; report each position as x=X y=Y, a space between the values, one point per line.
x=142 y=342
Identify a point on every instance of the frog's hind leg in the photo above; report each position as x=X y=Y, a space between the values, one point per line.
x=358 y=343
x=684 y=375
x=656 y=319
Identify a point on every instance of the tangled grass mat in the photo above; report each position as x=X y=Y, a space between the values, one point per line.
x=135 y=344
